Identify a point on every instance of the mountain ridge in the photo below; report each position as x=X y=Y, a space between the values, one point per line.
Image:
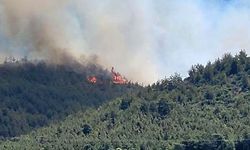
x=207 y=110
x=34 y=94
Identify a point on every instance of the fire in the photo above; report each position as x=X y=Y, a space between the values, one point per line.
x=117 y=77
x=92 y=79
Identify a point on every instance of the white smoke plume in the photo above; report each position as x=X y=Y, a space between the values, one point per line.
x=144 y=39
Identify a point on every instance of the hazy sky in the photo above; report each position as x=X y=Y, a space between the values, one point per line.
x=144 y=39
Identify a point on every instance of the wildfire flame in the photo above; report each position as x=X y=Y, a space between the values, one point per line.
x=92 y=79
x=117 y=77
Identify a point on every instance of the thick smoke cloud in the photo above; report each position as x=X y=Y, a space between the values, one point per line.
x=144 y=39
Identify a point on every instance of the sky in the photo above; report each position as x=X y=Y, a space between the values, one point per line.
x=146 y=40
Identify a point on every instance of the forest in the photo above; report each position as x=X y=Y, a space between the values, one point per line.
x=208 y=110
x=35 y=94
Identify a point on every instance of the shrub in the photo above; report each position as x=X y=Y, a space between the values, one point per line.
x=86 y=129
x=163 y=108
x=125 y=104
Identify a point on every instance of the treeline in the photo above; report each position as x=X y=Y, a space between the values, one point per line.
x=218 y=71
x=33 y=94
x=170 y=114
x=217 y=143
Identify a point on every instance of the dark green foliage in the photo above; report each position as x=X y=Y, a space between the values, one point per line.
x=144 y=108
x=216 y=143
x=234 y=67
x=143 y=147
x=207 y=145
x=34 y=94
x=209 y=95
x=215 y=73
x=245 y=82
x=209 y=110
x=112 y=117
x=172 y=83
x=196 y=73
x=243 y=145
x=208 y=72
x=163 y=108
x=104 y=147
x=125 y=104
x=86 y=129
x=153 y=107
x=88 y=147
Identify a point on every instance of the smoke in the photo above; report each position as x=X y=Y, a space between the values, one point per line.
x=36 y=28
x=144 y=39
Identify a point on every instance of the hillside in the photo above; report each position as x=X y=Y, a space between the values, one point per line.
x=34 y=94
x=210 y=109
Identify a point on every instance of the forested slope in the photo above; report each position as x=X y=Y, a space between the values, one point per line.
x=208 y=110
x=33 y=94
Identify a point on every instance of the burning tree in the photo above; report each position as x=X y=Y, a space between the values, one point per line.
x=92 y=79
x=118 y=78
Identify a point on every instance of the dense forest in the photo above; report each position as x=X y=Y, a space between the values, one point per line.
x=210 y=109
x=34 y=94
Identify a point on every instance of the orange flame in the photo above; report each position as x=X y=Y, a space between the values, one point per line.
x=92 y=79
x=117 y=77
